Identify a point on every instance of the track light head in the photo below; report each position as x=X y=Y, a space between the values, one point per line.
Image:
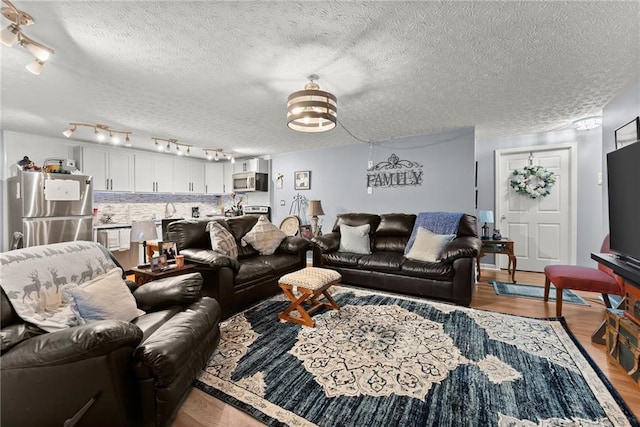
x=69 y=132
x=9 y=35
x=233 y=159
x=35 y=67
x=127 y=141
x=36 y=49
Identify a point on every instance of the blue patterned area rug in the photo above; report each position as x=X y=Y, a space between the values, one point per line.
x=385 y=360
x=535 y=292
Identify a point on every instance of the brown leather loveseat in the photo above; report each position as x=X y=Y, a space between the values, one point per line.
x=387 y=269
x=104 y=372
x=236 y=283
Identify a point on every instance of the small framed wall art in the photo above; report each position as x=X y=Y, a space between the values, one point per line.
x=628 y=133
x=302 y=180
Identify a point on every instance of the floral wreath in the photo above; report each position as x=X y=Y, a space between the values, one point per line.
x=533 y=181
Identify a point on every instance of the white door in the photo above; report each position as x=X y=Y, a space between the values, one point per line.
x=543 y=229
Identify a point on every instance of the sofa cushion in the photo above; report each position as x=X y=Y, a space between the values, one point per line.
x=241 y=225
x=252 y=269
x=427 y=270
x=106 y=297
x=354 y=219
x=355 y=239
x=428 y=246
x=381 y=261
x=222 y=241
x=281 y=262
x=265 y=237
x=341 y=259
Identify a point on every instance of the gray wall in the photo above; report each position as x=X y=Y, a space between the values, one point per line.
x=589 y=152
x=592 y=148
x=338 y=177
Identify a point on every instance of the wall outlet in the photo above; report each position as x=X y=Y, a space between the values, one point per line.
x=281 y=202
x=369 y=190
x=599 y=178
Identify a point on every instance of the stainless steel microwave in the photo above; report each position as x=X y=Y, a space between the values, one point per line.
x=250 y=181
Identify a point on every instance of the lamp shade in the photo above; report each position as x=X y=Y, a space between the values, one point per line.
x=141 y=231
x=485 y=216
x=311 y=109
x=315 y=208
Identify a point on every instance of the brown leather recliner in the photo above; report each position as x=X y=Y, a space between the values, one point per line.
x=109 y=372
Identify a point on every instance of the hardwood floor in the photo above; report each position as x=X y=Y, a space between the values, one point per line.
x=200 y=409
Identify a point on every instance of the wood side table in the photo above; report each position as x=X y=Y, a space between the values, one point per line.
x=502 y=246
x=144 y=275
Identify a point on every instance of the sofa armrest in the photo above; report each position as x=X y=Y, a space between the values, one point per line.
x=461 y=247
x=327 y=242
x=177 y=290
x=211 y=258
x=293 y=245
x=73 y=344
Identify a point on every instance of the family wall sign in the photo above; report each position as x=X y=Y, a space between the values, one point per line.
x=395 y=172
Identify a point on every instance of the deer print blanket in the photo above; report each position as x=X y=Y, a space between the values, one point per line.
x=33 y=279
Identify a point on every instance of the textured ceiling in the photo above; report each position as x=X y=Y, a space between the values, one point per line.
x=217 y=74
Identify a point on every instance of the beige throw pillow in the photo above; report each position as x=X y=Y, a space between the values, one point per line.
x=355 y=239
x=264 y=237
x=222 y=241
x=428 y=245
x=106 y=297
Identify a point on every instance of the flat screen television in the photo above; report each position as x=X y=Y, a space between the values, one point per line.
x=623 y=174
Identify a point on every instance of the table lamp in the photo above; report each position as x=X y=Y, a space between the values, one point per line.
x=141 y=231
x=315 y=209
x=486 y=217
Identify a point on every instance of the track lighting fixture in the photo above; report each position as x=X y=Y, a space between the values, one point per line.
x=311 y=109
x=13 y=34
x=217 y=153
x=179 y=145
x=100 y=132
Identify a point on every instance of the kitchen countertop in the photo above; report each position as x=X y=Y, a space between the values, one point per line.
x=114 y=225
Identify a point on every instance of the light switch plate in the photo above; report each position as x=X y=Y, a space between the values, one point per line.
x=369 y=190
x=281 y=202
x=370 y=164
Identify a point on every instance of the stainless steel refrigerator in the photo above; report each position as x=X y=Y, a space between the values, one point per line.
x=49 y=208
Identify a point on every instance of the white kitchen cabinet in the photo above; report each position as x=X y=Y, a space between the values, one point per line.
x=189 y=176
x=111 y=170
x=153 y=173
x=214 y=178
x=251 y=165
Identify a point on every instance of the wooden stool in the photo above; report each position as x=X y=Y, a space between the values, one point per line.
x=312 y=283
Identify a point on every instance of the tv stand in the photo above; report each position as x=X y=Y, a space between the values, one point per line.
x=623 y=267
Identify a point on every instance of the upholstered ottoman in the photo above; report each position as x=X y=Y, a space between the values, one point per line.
x=311 y=283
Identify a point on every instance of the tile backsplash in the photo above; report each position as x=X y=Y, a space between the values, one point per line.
x=128 y=207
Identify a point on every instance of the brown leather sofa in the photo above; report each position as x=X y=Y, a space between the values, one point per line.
x=387 y=269
x=236 y=283
x=109 y=372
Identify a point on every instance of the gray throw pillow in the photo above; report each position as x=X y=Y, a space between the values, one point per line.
x=355 y=239
x=428 y=245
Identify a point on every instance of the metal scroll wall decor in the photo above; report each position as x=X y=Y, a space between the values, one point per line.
x=395 y=172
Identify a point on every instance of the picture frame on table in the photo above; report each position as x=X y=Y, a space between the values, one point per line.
x=169 y=249
x=627 y=133
x=302 y=180
x=158 y=263
x=305 y=232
